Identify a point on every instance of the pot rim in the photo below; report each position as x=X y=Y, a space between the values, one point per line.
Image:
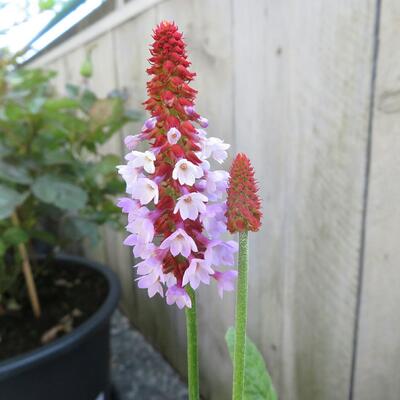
x=24 y=361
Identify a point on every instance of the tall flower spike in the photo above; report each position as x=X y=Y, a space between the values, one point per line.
x=243 y=204
x=176 y=206
x=175 y=187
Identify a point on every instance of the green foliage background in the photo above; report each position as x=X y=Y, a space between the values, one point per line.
x=51 y=170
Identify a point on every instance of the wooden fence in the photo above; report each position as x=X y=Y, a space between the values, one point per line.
x=310 y=90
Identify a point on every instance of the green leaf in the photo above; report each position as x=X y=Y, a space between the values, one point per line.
x=44 y=236
x=46 y=4
x=86 y=68
x=62 y=194
x=72 y=90
x=258 y=383
x=79 y=229
x=14 y=112
x=88 y=99
x=36 y=104
x=58 y=157
x=14 y=173
x=4 y=151
x=9 y=200
x=115 y=185
x=14 y=236
x=107 y=164
x=3 y=248
x=61 y=104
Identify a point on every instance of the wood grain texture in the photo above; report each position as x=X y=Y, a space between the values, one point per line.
x=302 y=81
x=59 y=81
x=378 y=351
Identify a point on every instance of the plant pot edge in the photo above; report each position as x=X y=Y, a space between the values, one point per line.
x=24 y=361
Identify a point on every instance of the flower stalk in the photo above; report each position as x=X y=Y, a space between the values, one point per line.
x=243 y=215
x=192 y=347
x=241 y=317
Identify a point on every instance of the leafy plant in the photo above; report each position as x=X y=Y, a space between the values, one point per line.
x=257 y=381
x=56 y=186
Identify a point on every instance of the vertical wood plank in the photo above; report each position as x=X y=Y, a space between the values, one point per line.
x=59 y=80
x=378 y=350
x=302 y=81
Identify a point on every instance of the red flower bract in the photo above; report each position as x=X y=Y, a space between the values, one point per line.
x=169 y=87
x=176 y=211
x=169 y=92
x=243 y=203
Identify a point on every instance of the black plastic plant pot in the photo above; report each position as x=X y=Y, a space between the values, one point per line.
x=73 y=367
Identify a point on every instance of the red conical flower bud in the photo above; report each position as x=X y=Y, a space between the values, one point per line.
x=243 y=203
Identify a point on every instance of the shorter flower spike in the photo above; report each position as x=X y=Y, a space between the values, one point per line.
x=243 y=203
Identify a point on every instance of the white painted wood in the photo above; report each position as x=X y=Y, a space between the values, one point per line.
x=302 y=74
x=378 y=350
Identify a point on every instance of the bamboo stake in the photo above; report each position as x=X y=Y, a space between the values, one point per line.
x=27 y=270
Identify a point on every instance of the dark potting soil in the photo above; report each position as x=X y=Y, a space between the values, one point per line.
x=68 y=295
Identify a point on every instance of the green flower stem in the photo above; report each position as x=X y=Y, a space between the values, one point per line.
x=192 y=349
x=241 y=318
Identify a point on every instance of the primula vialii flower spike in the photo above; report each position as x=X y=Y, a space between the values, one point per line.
x=176 y=207
x=243 y=204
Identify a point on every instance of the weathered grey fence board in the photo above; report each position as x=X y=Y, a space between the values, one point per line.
x=262 y=131
x=378 y=351
x=302 y=82
x=59 y=81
